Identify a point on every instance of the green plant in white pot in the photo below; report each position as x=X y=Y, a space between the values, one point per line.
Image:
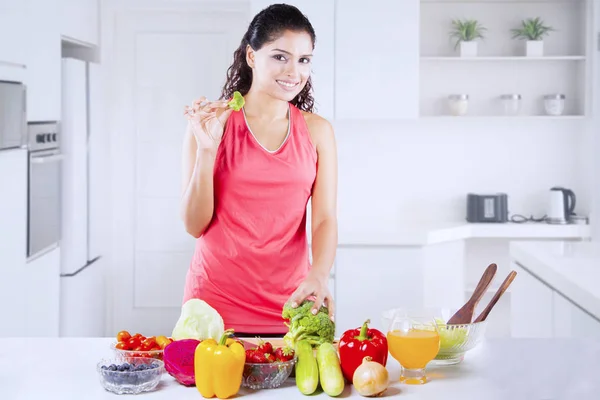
x=466 y=32
x=533 y=31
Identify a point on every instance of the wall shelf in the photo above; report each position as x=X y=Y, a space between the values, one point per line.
x=501 y=66
x=503 y=58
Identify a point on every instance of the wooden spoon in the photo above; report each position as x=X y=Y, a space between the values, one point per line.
x=496 y=297
x=465 y=314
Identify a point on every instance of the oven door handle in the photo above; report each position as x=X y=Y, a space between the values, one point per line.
x=46 y=159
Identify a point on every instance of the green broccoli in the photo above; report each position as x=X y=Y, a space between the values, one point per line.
x=303 y=325
x=237 y=101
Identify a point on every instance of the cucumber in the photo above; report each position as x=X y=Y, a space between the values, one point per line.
x=307 y=371
x=330 y=370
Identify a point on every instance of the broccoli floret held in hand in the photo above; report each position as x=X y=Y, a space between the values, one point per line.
x=303 y=325
x=236 y=102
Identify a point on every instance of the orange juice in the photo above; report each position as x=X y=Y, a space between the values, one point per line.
x=414 y=348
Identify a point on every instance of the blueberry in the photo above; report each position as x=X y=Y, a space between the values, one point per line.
x=142 y=367
x=120 y=368
x=104 y=367
x=126 y=366
x=112 y=367
x=154 y=365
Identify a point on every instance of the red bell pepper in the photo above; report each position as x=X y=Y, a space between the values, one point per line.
x=356 y=344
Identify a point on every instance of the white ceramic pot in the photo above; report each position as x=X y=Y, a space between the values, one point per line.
x=468 y=49
x=535 y=48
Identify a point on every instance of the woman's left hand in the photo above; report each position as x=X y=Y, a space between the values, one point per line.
x=317 y=287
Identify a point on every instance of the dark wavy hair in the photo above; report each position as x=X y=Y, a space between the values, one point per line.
x=265 y=27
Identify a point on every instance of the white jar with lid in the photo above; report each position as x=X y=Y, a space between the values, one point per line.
x=458 y=104
x=554 y=104
x=511 y=103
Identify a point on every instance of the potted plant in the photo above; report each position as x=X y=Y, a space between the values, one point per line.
x=466 y=32
x=533 y=31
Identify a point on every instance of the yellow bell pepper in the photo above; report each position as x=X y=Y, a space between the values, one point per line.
x=218 y=367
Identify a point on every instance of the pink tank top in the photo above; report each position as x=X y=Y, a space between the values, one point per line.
x=254 y=253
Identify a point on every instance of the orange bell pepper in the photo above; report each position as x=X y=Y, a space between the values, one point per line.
x=218 y=367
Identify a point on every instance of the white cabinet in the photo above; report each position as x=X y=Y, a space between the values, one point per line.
x=79 y=20
x=377 y=59
x=43 y=64
x=13 y=30
x=321 y=16
x=41 y=295
x=370 y=280
x=571 y=321
x=13 y=239
x=538 y=311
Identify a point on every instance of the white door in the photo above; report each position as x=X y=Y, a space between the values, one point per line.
x=162 y=60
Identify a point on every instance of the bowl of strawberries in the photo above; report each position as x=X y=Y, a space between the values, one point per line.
x=267 y=367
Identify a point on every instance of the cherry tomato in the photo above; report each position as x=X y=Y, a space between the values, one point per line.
x=123 y=336
x=122 y=346
x=149 y=342
x=134 y=342
x=162 y=341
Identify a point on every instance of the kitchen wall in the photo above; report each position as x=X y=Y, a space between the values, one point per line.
x=422 y=170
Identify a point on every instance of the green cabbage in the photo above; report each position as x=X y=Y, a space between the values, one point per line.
x=198 y=321
x=237 y=102
x=450 y=337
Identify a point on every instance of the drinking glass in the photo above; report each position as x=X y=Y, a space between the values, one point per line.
x=413 y=340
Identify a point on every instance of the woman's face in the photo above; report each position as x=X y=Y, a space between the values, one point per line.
x=282 y=67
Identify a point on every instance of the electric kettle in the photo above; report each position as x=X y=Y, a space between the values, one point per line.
x=561 y=206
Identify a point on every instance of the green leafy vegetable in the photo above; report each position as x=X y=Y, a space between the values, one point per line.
x=237 y=102
x=303 y=325
x=199 y=321
x=450 y=337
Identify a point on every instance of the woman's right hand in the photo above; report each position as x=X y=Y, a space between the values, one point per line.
x=207 y=120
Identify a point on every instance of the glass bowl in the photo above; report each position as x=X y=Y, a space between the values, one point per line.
x=267 y=375
x=120 y=377
x=127 y=355
x=455 y=340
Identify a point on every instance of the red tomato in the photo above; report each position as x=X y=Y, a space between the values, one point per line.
x=122 y=346
x=134 y=342
x=149 y=343
x=123 y=336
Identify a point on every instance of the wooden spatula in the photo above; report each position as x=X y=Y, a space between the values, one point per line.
x=465 y=314
x=496 y=297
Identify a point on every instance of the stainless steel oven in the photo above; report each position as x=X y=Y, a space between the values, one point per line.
x=44 y=188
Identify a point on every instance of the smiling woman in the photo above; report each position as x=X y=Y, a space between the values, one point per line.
x=248 y=176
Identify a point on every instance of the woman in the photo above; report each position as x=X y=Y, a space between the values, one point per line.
x=247 y=179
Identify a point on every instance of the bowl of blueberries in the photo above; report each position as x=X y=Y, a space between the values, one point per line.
x=136 y=376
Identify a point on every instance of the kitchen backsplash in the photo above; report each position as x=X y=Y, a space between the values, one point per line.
x=422 y=170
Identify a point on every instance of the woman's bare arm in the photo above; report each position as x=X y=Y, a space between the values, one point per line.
x=197 y=202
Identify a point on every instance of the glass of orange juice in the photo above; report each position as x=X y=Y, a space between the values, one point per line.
x=413 y=340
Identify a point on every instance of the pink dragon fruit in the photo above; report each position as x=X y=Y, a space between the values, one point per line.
x=179 y=360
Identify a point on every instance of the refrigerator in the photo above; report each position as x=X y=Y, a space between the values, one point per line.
x=82 y=276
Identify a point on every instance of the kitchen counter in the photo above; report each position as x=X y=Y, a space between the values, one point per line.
x=570 y=268
x=428 y=233
x=64 y=369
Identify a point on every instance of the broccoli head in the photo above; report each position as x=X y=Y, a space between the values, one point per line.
x=303 y=325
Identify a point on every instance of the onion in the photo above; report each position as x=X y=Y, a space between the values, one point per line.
x=370 y=379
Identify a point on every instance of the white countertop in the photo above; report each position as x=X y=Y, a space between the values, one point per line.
x=546 y=369
x=570 y=268
x=428 y=233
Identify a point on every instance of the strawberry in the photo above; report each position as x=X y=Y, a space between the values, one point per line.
x=270 y=357
x=259 y=358
x=265 y=347
x=284 y=353
x=250 y=354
